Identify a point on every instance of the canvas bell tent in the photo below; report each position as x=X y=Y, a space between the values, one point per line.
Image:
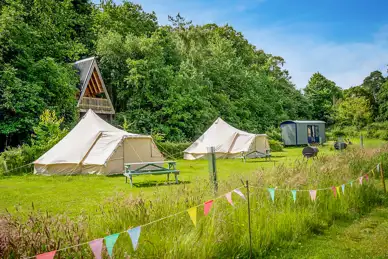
x=96 y=147
x=229 y=142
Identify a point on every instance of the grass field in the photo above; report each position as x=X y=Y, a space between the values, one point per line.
x=76 y=194
x=98 y=206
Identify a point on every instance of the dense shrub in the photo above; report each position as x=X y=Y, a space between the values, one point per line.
x=276 y=146
x=171 y=150
x=47 y=133
x=274 y=133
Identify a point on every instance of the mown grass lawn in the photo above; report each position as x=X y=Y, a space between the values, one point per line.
x=364 y=238
x=76 y=194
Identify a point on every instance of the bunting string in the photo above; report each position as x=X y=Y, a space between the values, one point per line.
x=146 y=224
x=135 y=232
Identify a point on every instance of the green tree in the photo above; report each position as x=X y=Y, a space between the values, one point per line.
x=354 y=111
x=322 y=94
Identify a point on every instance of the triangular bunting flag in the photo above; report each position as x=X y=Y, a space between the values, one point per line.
x=239 y=193
x=338 y=191
x=272 y=193
x=110 y=242
x=134 y=234
x=294 y=195
x=48 y=255
x=334 y=191
x=367 y=177
x=313 y=194
x=193 y=215
x=343 y=188
x=229 y=198
x=96 y=246
x=360 y=180
x=207 y=207
x=378 y=167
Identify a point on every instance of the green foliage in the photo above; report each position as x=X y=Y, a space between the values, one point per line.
x=172 y=150
x=322 y=94
x=354 y=111
x=47 y=133
x=275 y=145
x=38 y=39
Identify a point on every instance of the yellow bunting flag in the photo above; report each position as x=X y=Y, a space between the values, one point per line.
x=193 y=215
x=338 y=191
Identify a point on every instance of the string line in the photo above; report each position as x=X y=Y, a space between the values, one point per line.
x=201 y=204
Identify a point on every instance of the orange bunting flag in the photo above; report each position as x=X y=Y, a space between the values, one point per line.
x=229 y=198
x=313 y=195
x=207 y=207
x=48 y=255
x=334 y=191
x=193 y=215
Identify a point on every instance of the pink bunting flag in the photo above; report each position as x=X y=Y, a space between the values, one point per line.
x=96 y=246
x=334 y=191
x=313 y=194
x=207 y=207
x=48 y=255
x=229 y=198
x=367 y=177
x=360 y=180
x=239 y=193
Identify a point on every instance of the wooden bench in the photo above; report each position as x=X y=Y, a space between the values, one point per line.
x=150 y=168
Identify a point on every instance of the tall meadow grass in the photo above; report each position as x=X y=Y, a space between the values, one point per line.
x=276 y=226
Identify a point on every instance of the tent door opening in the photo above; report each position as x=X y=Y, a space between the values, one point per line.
x=313 y=134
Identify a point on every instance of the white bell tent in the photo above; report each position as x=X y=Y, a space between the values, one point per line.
x=94 y=146
x=229 y=142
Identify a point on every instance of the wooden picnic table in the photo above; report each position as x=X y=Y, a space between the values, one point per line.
x=150 y=168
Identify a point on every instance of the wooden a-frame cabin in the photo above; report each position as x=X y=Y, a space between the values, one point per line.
x=92 y=91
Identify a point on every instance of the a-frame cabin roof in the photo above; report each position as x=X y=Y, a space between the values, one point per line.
x=91 y=80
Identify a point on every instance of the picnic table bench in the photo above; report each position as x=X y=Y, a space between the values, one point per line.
x=150 y=168
x=266 y=155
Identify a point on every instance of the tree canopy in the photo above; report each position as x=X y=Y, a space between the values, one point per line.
x=174 y=79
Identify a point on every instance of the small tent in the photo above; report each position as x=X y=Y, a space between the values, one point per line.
x=229 y=142
x=94 y=146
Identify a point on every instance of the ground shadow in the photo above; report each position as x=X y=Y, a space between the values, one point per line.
x=146 y=184
x=260 y=161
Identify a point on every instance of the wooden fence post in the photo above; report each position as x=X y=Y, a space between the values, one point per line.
x=382 y=177
x=212 y=167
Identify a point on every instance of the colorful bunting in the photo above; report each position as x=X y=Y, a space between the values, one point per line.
x=360 y=180
x=343 y=188
x=193 y=215
x=134 y=234
x=338 y=191
x=239 y=193
x=207 y=207
x=313 y=194
x=229 y=198
x=367 y=177
x=96 y=246
x=378 y=167
x=110 y=242
x=48 y=255
x=272 y=193
x=334 y=191
x=294 y=195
